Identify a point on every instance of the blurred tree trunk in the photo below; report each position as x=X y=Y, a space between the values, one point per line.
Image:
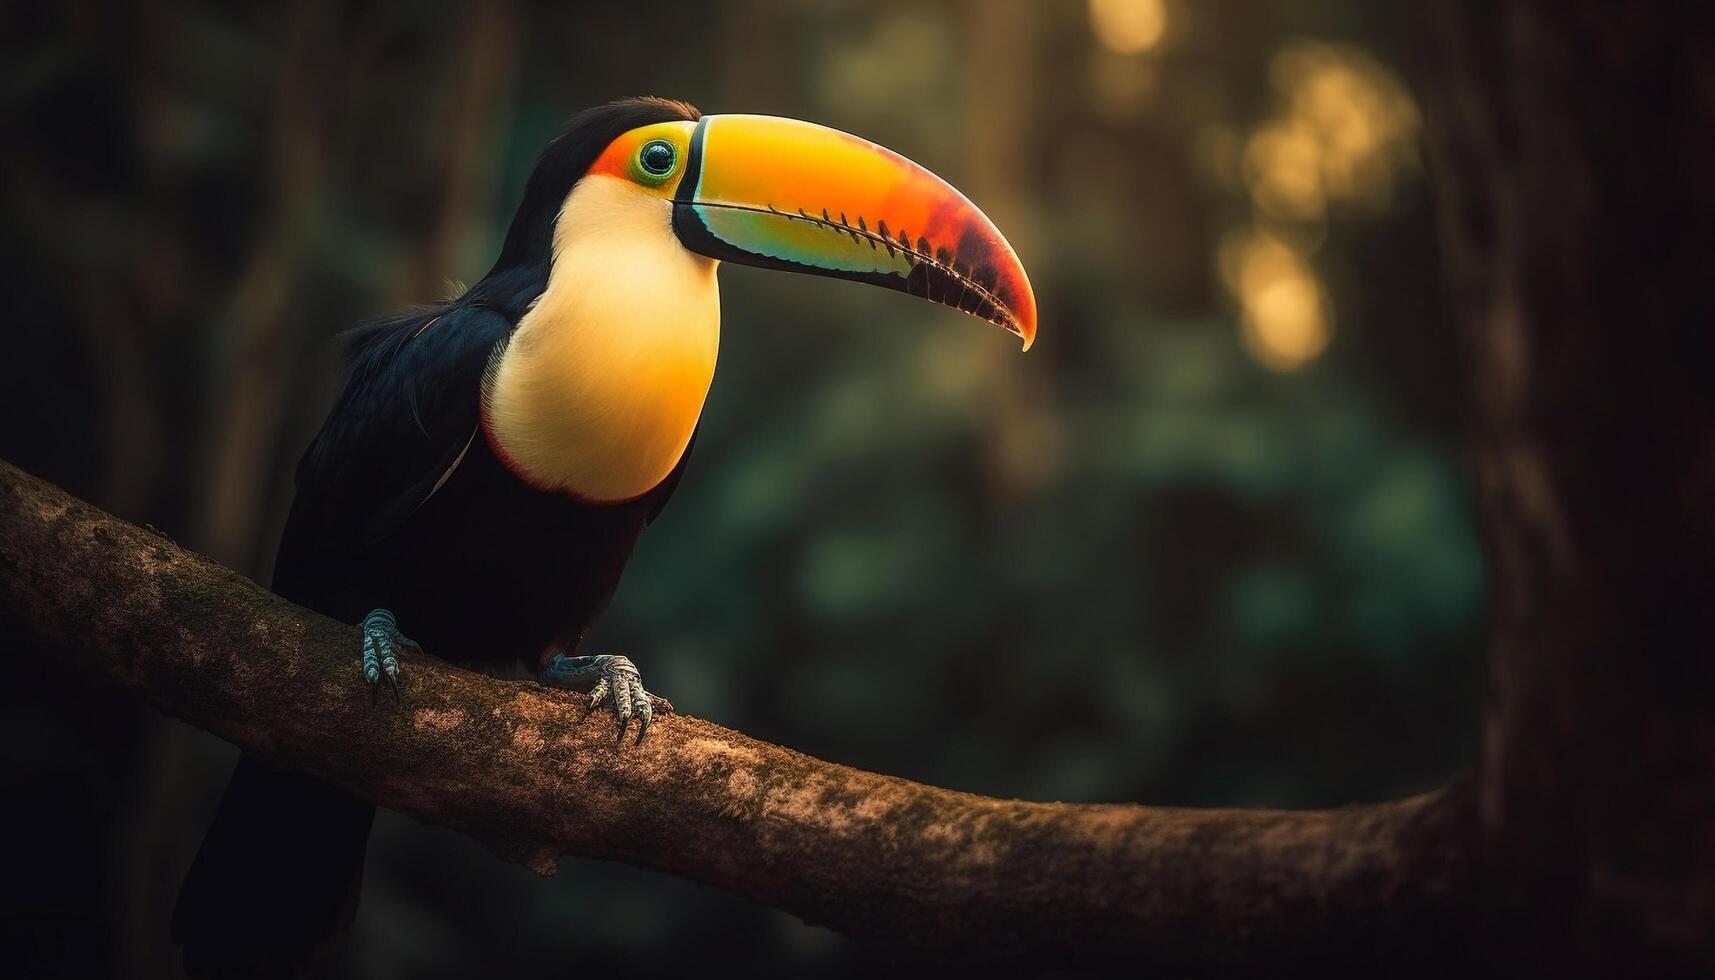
x=1574 y=155
x=756 y=59
x=477 y=99
x=1002 y=70
x=248 y=377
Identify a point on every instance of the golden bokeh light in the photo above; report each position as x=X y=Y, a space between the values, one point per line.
x=1343 y=141
x=1283 y=167
x=1346 y=134
x=1285 y=318
x=1128 y=26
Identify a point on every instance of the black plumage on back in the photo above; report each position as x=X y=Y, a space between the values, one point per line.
x=400 y=503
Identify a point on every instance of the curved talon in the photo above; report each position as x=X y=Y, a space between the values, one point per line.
x=597 y=695
x=641 y=707
x=381 y=643
x=614 y=680
x=371 y=663
x=622 y=711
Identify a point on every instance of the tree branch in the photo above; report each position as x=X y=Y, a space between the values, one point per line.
x=879 y=858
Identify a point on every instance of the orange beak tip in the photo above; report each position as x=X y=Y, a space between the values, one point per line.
x=779 y=193
x=1025 y=337
x=1026 y=324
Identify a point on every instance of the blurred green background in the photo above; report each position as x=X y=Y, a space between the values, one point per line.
x=1210 y=542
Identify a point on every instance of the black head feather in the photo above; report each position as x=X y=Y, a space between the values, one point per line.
x=521 y=272
x=565 y=162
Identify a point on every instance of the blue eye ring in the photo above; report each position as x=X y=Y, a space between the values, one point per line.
x=655 y=161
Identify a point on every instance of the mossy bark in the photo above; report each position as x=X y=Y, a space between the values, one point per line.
x=517 y=766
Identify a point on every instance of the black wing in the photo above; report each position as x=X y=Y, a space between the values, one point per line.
x=408 y=409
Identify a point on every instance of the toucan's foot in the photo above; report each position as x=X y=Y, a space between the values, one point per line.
x=612 y=680
x=381 y=644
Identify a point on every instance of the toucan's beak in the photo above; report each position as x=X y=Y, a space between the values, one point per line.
x=784 y=194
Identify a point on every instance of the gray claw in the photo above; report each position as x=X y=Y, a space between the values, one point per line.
x=381 y=643
x=598 y=694
x=371 y=662
x=645 y=713
x=622 y=706
x=615 y=679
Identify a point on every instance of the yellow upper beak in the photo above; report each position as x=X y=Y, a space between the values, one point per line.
x=784 y=194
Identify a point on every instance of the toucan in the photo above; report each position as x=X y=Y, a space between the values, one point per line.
x=489 y=462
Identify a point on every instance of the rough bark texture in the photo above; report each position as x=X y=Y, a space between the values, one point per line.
x=884 y=859
x=1573 y=151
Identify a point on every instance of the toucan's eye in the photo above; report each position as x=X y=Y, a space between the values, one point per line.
x=656 y=159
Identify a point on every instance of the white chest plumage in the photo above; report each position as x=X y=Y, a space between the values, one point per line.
x=600 y=388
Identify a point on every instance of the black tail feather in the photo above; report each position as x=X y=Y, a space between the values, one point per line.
x=275 y=885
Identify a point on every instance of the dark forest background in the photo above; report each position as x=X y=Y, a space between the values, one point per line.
x=1212 y=536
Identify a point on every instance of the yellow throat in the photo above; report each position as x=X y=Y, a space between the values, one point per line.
x=601 y=385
